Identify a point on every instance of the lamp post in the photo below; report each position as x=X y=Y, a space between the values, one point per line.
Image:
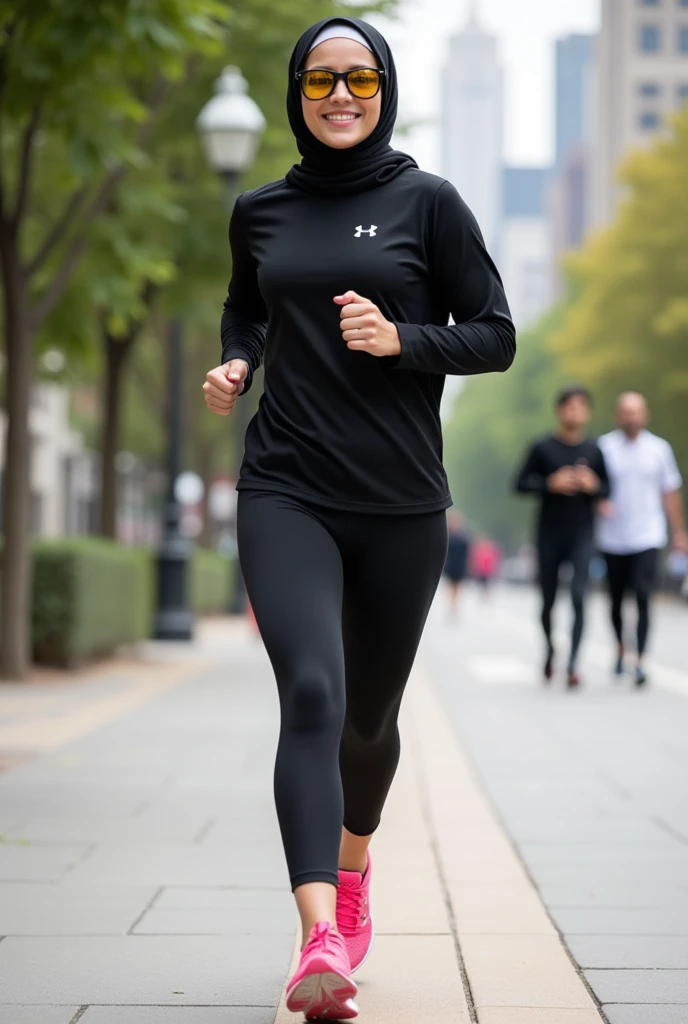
x=231 y=125
x=173 y=620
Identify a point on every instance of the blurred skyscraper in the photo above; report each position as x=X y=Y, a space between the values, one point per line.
x=525 y=249
x=572 y=70
x=567 y=202
x=641 y=74
x=472 y=124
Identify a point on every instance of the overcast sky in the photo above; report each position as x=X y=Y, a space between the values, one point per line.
x=526 y=30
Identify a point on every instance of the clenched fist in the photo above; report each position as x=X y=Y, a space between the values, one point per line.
x=224 y=384
x=364 y=328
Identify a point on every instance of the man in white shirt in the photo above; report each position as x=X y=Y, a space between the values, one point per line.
x=645 y=491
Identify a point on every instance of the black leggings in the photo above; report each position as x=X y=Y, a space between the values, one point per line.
x=554 y=550
x=341 y=600
x=634 y=573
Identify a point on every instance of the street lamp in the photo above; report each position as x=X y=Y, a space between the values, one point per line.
x=230 y=126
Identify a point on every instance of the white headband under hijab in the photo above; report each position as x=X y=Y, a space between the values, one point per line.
x=340 y=31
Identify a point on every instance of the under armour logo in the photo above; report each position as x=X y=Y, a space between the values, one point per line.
x=371 y=231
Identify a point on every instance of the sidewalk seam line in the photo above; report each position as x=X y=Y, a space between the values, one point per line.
x=151 y=901
x=79 y=1014
x=423 y=785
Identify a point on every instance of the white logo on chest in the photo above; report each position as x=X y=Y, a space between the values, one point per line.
x=371 y=231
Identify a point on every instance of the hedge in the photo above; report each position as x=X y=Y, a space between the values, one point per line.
x=91 y=595
x=210 y=582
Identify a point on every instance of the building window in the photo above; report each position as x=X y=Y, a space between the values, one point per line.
x=648 y=121
x=649 y=89
x=650 y=38
x=683 y=39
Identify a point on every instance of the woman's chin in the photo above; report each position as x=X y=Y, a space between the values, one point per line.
x=341 y=140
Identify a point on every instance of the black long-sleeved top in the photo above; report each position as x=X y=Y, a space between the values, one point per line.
x=343 y=428
x=562 y=514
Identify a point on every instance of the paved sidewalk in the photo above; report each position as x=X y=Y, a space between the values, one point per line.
x=141 y=874
x=591 y=785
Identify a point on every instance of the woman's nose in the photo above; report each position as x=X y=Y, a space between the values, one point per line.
x=341 y=93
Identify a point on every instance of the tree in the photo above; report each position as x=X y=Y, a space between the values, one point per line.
x=628 y=325
x=81 y=81
x=495 y=417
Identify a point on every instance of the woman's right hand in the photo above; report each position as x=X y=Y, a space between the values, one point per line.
x=224 y=384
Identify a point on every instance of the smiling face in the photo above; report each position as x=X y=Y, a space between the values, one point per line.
x=341 y=120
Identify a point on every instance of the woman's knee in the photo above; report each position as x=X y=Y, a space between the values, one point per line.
x=312 y=700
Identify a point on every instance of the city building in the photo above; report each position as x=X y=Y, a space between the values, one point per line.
x=63 y=472
x=567 y=191
x=472 y=124
x=525 y=245
x=640 y=76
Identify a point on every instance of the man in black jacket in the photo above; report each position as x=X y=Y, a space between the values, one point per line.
x=566 y=469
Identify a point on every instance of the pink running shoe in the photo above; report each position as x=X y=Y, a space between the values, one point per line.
x=353 y=914
x=322 y=988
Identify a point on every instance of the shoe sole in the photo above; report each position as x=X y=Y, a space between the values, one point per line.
x=368 y=950
x=325 y=996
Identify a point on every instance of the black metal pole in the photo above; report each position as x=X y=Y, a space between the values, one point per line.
x=173 y=620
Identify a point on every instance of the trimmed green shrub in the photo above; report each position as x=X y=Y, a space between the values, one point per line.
x=210 y=579
x=89 y=596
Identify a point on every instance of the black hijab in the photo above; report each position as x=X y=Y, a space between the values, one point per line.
x=367 y=165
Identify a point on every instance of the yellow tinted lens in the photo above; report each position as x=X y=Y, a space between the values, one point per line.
x=363 y=84
x=317 y=84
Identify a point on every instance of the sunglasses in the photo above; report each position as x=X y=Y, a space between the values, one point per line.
x=318 y=83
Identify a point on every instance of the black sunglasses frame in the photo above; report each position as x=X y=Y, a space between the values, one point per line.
x=339 y=76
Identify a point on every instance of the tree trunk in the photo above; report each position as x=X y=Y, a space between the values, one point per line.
x=16 y=559
x=116 y=354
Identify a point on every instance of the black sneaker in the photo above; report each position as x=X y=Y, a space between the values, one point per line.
x=619 y=667
x=548 y=670
x=640 y=676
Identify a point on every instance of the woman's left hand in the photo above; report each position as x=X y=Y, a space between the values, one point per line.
x=364 y=328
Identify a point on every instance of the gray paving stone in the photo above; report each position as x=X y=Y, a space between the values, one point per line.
x=579 y=854
x=217 y=921
x=630 y=951
x=572 y=830
x=155 y=864
x=36 y=1014
x=622 y=921
x=28 y=863
x=147 y=827
x=141 y=970
x=649 y=894
x=639 y=986
x=646 y=1014
x=75 y=910
x=177 y=1015
x=180 y=898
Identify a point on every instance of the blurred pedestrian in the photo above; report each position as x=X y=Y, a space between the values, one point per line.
x=456 y=565
x=566 y=470
x=486 y=557
x=344 y=275
x=645 y=491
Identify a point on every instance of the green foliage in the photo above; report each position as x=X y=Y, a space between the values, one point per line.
x=628 y=328
x=89 y=596
x=495 y=418
x=210 y=583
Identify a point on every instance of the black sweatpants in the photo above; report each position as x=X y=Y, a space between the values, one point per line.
x=341 y=600
x=556 y=548
x=632 y=574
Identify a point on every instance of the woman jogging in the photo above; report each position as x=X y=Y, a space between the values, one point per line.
x=344 y=275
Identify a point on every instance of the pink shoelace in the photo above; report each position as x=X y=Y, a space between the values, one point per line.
x=351 y=909
x=320 y=935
